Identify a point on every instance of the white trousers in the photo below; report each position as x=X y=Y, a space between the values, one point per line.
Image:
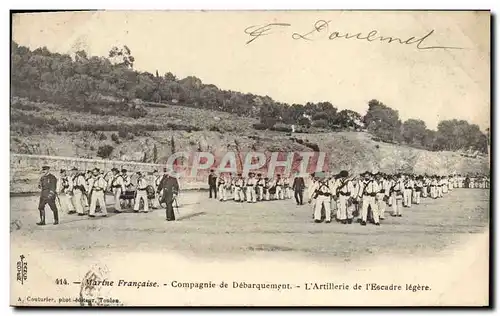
x=239 y=194
x=116 y=193
x=407 y=197
x=397 y=204
x=260 y=193
x=141 y=194
x=369 y=201
x=251 y=195
x=416 y=197
x=222 y=193
x=97 y=197
x=66 y=203
x=320 y=201
x=279 y=193
x=78 y=201
x=381 y=204
x=345 y=211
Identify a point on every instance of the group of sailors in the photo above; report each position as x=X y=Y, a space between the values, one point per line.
x=83 y=192
x=366 y=196
x=251 y=189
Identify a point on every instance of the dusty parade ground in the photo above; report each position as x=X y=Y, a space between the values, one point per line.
x=226 y=229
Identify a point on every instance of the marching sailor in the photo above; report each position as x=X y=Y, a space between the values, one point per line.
x=97 y=188
x=279 y=188
x=65 y=191
x=80 y=189
x=322 y=194
x=142 y=186
x=239 y=185
x=397 y=195
x=286 y=188
x=260 y=187
x=344 y=189
x=250 y=188
x=382 y=194
x=369 y=193
x=408 y=191
x=117 y=187
x=221 y=187
x=419 y=184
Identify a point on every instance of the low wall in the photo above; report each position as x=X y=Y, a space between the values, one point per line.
x=25 y=170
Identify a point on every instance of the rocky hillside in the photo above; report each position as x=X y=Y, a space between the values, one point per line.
x=47 y=129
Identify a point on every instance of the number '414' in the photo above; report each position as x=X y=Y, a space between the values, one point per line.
x=62 y=282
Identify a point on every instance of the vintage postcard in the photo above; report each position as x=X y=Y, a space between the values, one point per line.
x=250 y=158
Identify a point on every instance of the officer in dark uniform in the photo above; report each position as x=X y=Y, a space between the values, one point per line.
x=170 y=188
x=298 y=187
x=48 y=185
x=212 y=184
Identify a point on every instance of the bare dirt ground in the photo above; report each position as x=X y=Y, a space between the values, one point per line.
x=210 y=228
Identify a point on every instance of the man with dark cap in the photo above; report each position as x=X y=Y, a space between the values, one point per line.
x=212 y=184
x=48 y=186
x=298 y=187
x=169 y=186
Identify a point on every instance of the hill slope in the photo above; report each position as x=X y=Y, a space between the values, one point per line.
x=48 y=129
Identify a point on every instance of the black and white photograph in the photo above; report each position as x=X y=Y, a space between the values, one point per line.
x=250 y=158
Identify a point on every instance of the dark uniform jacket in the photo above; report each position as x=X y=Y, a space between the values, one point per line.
x=212 y=180
x=298 y=184
x=169 y=184
x=48 y=184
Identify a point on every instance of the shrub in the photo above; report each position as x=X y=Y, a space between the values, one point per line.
x=105 y=151
x=122 y=133
x=102 y=136
x=313 y=146
x=259 y=126
x=115 y=138
x=214 y=128
x=282 y=128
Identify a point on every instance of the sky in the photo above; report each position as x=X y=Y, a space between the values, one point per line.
x=427 y=84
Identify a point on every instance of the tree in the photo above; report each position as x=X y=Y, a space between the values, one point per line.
x=382 y=121
x=122 y=56
x=155 y=154
x=414 y=132
x=460 y=135
x=349 y=119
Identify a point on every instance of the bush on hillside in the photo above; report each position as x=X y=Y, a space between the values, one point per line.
x=105 y=151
